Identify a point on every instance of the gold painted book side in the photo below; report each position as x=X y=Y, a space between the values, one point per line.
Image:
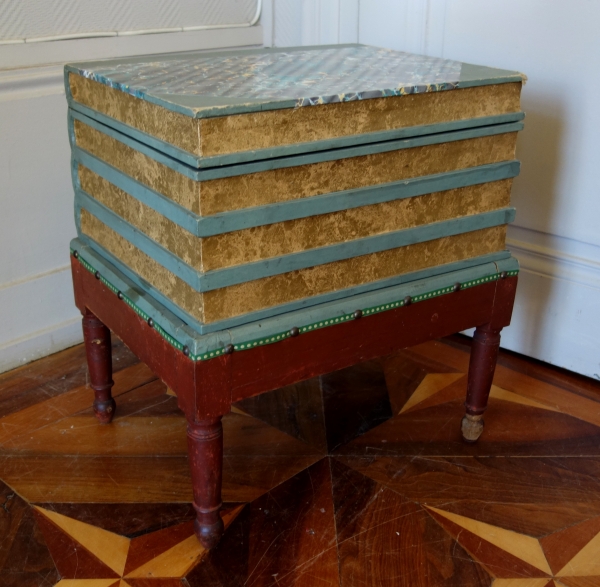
x=283 y=238
x=279 y=185
x=260 y=130
x=296 y=285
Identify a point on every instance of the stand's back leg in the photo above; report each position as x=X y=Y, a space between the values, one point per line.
x=482 y=364
x=99 y=360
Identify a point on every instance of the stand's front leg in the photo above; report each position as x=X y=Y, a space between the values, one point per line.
x=99 y=360
x=482 y=364
x=205 y=445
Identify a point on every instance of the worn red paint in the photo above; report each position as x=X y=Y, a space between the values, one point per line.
x=99 y=358
x=206 y=389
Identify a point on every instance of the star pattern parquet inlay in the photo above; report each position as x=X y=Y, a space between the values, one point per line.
x=357 y=478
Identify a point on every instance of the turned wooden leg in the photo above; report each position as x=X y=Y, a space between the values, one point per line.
x=205 y=446
x=99 y=360
x=484 y=353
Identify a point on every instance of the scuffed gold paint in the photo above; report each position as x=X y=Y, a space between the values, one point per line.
x=303 y=181
x=158 y=227
x=283 y=238
x=170 y=285
x=279 y=185
x=263 y=242
x=172 y=127
x=159 y=177
x=260 y=130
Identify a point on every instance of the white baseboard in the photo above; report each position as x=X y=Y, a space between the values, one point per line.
x=557 y=321
x=556 y=257
x=557 y=309
x=40 y=344
x=38 y=317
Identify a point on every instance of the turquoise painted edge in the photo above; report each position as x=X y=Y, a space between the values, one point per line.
x=172 y=150
x=292 y=160
x=206 y=347
x=144 y=243
x=143 y=297
x=305 y=303
x=472 y=74
x=217 y=279
x=488 y=76
x=181 y=216
x=170 y=162
x=293 y=149
x=293 y=209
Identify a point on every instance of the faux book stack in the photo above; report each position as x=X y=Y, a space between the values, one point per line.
x=237 y=198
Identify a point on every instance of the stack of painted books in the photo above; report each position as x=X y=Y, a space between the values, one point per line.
x=240 y=197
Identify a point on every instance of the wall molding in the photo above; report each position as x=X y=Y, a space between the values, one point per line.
x=135 y=32
x=348 y=26
x=416 y=26
x=555 y=264
x=267 y=21
x=22 y=84
x=25 y=55
x=568 y=263
x=556 y=314
x=435 y=24
x=28 y=278
x=328 y=22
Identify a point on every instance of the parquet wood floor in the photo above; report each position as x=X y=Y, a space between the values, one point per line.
x=355 y=479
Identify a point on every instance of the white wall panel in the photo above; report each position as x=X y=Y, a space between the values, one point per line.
x=557 y=45
x=287 y=17
x=37 y=312
x=326 y=14
x=386 y=23
x=36 y=197
x=556 y=235
x=314 y=22
x=348 y=21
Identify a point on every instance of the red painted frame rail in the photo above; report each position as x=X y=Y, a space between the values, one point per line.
x=206 y=389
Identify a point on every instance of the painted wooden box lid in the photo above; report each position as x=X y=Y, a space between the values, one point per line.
x=222 y=108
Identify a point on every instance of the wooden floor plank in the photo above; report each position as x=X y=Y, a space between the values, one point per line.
x=357 y=478
x=77 y=479
x=557 y=376
x=583 y=408
x=52 y=376
x=70 y=402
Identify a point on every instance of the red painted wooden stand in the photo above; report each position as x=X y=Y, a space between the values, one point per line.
x=206 y=389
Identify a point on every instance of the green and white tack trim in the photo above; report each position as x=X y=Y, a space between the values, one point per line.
x=301 y=329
